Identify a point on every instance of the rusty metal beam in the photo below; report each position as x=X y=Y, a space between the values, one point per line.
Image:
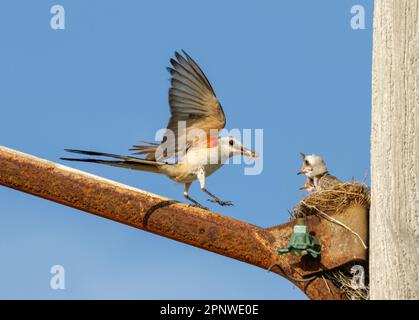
x=200 y=228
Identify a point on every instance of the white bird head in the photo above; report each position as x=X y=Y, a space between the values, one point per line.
x=232 y=147
x=313 y=165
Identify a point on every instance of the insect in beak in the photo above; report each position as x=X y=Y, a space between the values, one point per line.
x=248 y=153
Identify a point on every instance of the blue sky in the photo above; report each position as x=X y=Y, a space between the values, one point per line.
x=295 y=69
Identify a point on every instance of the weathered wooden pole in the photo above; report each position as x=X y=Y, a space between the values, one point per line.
x=394 y=216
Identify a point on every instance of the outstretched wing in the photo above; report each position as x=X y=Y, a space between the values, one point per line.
x=193 y=103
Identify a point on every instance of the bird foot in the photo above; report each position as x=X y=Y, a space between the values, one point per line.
x=221 y=202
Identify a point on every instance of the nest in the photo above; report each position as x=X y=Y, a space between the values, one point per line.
x=334 y=200
x=327 y=203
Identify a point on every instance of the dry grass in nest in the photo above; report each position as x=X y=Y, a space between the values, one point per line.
x=335 y=200
x=342 y=279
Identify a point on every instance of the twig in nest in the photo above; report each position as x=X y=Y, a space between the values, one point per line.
x=339 y=191
x=335 y=221
x=327 y=285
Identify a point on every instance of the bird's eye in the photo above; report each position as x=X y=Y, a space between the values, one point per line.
x=306 y=163
x=231 y=142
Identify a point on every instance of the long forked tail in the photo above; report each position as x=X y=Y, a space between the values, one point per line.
x=124 y=162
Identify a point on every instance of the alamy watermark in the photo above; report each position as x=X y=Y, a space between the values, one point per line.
x=57 y=281
x=358 y=277
x=57 y=21
x=358 y=18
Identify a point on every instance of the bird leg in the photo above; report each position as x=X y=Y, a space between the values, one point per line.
x=194 y=202
x=200 y=173
x=216 y=199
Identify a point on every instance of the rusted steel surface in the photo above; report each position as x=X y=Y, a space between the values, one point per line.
x=168 y=218
x=339 y=245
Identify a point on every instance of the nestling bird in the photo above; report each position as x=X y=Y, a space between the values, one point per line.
x=314 y=168
x=194 y=104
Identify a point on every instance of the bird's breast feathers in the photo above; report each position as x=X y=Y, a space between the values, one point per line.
x=195 y=158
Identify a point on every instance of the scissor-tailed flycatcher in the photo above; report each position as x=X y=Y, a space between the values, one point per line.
x=318 y=178
x=192 y=102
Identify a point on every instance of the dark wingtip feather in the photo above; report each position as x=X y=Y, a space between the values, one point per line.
x=185 y=53
x=178 y=55
x=173 y=62
x=190 y=59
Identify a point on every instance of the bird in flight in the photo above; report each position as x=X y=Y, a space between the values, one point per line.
x=191 y=137
x=318 y=177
